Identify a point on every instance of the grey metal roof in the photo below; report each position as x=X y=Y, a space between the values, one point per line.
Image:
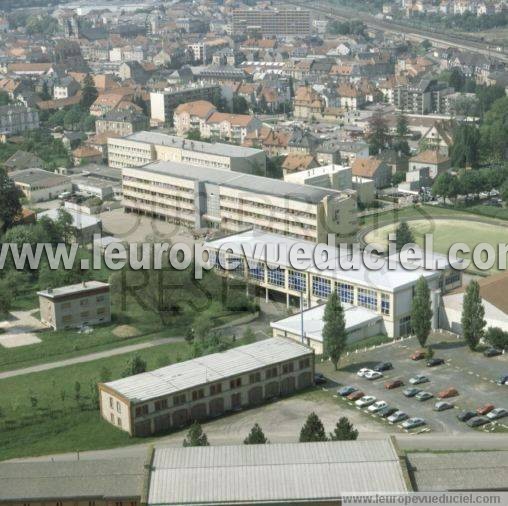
x=250 y=474
x=115 y=478
x=38 y=177
x=62 y=291
x=213 y=148
x=247 y=182
x=202 y=370
x=459 y=470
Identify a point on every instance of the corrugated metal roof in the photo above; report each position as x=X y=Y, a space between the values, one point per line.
x=209 y=368
x=273 y=472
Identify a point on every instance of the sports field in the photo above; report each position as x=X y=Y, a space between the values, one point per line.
x=446 y=232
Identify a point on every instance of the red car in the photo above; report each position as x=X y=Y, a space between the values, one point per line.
x=394 y=384
x=418 y=355
x=355 y=396
x=486 y=408
x=448 y=392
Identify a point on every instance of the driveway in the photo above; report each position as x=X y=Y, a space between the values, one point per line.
x=20 y=329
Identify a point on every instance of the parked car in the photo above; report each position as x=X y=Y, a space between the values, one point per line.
x=397 y=417
x=387 y=411
x=423 y=396
x=411 y=392
x=503 y=380
x=365 y=401
x=419 y=378
x=433 y=362
x=497 y=413
x=412 y=423
x=486 y=408
x=345 y=391
x=442 y=406
x=373 y=375
x=362 y=372
x=383 y=366
x=374 y=408
x=418 y=355
x=492 y=352
x=354 y=396
x=466 y=415
x=476 y=421
x=319 y=378
x=447 y=393
x=394 y=384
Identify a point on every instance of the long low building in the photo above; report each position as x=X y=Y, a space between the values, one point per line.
x=387 y=292
x=39 y=185
x=142 y=148
x=201 y=197
x=360 y=324
x=208 y=386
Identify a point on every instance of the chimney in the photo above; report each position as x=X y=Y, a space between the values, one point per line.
x=84 y=284
x=50 y=290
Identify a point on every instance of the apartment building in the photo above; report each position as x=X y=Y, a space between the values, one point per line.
x=163 y=103
x=384 y=292
x=144 y=147
x=121 y=122
x=16 y=119
x=271 y=22
x=207 y=386
x=425 y=97
x=72 y=306
x=201 y=197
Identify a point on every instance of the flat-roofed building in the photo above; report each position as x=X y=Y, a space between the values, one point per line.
x=296 y=473
x=39 y=185
x=360 y=324
x=141 y=148
x=73 y=306
x=385 y=291
x=272 y=22
x=213 y=198
x=336 y=177
x=207 y=386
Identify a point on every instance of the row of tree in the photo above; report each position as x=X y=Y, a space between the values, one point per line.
x=312 y=431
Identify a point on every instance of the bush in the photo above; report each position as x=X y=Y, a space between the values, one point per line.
x=497 y=338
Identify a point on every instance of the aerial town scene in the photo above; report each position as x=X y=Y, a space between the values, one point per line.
x=253 y=252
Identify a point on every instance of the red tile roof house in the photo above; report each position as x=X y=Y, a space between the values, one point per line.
x=373 y=168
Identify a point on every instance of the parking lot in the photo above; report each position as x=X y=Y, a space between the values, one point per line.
x=472 y=374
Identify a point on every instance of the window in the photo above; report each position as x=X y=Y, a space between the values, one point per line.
x=100 y=298
x=271 y=373
x=161 y=404
x=235 y=383
x=452 y=278
x=111 y=402
x=118 y=407
x=288 y=367
x=178 y=400
x=142 y=410
x=297 y=281
x=112 y=417
x=276 y=277
x=257 y=271
x=405 y=326
x=216 y=389
x=255 y=378
x=346 y=292
x=321 y=287
x=304 y=363
x=367 y=298
x=101 y=310
x=85 y=314
x=385 y=303
x=67 y=319
x=198 y=394
x=238 y=263
x=66 y=305
x=84 y=302
x=119 y=422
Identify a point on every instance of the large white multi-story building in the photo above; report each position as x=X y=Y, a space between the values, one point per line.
x=201 y=197
x=384 y=292
x=143 y=147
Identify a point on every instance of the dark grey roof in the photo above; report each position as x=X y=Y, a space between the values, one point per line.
x=117 y=478
x=23 y=160
x=460 y=470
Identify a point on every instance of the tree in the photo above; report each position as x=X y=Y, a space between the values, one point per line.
x=202 y=326
x=473 y=312
x=378 y=134
x=446 y=185
x=240 y=105
x=421 y=311
x=77 y=391
x=44 y=94
x=465 y=151
x=256 y=436
x=457 y=79
x=10 y=201
x=135 y=365
x=313 y=430
x=494 y=131
x=334 y=329
x=89 y=92
x=402 y=126
x=344 y=431
x=194 y=134
x=497 y=338
x=5 y=299
x=249 y=336
x=196 y=436
x=403 y=236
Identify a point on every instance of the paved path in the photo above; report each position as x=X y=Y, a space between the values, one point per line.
x=90 y=357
